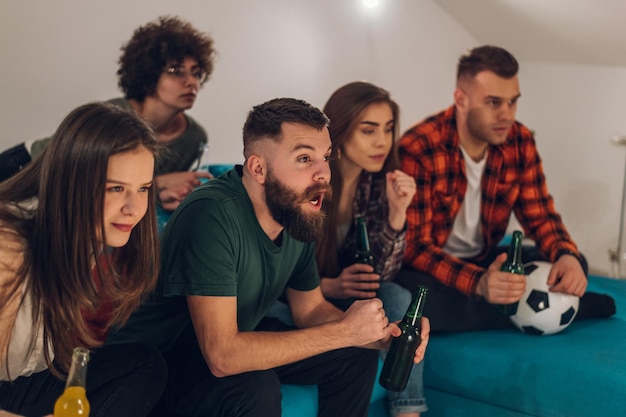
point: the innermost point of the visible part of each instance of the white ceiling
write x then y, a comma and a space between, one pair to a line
589, 32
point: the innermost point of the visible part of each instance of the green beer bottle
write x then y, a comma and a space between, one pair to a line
363, 253
513, 265
399, 360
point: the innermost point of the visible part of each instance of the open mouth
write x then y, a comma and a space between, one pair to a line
315, 195
317, 200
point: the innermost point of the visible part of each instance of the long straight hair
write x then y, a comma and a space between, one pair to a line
344, 108
63, 231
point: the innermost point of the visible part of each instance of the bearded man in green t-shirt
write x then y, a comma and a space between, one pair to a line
228, 252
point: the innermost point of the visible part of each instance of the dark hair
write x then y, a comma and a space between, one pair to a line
54, 206
487, 58
265, 120
156, 45
344, 109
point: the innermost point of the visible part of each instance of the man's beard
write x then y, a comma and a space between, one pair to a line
284, 205
475, 127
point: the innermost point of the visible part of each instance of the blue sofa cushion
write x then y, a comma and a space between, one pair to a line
578, 372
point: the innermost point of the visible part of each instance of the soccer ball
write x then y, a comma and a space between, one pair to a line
540, 311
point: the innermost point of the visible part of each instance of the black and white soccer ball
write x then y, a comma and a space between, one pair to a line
540, 311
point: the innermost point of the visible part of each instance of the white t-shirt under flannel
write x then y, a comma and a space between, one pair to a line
466, 238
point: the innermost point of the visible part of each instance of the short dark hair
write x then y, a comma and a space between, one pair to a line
487, 58
265, 120
156, 45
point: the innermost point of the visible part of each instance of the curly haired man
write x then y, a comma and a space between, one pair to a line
161, 70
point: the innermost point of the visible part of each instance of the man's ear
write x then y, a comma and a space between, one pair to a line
257, 166
460, 98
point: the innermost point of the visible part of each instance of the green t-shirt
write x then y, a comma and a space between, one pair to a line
213, 245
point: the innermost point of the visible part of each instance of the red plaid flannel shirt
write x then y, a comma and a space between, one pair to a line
513, 181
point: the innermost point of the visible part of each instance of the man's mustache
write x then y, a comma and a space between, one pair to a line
312, 192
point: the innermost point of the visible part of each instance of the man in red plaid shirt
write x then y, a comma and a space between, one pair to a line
474, 165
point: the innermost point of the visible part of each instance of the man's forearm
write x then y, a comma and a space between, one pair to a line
252, 351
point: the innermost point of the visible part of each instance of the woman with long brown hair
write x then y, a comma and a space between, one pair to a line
78, 251
366, 182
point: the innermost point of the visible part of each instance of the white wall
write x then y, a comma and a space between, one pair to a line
61, 54
57, 55
575, 111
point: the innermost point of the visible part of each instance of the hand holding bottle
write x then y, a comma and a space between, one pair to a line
355, 281
424, 337
404, 347
498, 287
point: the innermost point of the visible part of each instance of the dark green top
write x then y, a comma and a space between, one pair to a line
213, 245
181, 152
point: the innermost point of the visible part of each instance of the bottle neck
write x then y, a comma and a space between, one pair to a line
362, 238
515, 250
415, 311
78, 370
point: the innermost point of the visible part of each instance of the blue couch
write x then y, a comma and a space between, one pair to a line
580, 372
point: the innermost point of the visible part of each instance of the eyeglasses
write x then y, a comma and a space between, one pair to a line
182, 74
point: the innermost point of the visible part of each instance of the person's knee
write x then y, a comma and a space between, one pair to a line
145, 357
258, 393
250, 394
363, 361
145, 363
396, 300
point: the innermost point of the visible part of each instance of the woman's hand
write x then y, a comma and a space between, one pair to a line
358, 281
175, 186
400, 189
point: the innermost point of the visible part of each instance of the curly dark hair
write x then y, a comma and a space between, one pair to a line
154, 46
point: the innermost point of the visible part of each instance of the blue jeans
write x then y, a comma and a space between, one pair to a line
396, 300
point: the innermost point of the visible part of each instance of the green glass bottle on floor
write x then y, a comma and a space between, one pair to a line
363, 253
513, 265
399, 361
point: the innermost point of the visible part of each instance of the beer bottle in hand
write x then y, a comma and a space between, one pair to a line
363, 253
513, 265
399, 360
73, 402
